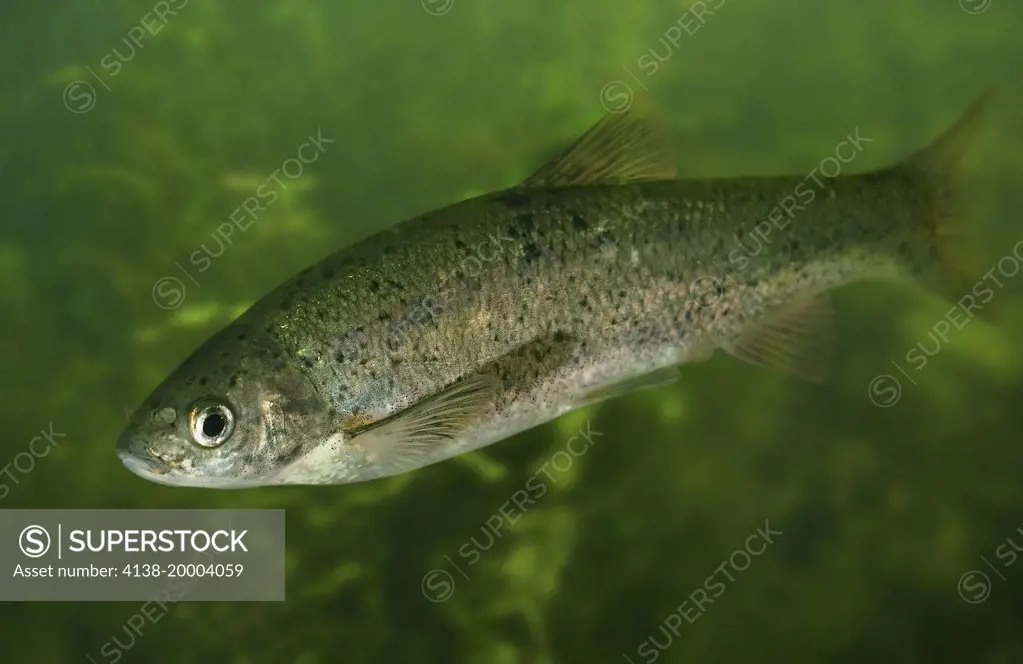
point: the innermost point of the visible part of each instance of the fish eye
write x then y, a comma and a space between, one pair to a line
212, 423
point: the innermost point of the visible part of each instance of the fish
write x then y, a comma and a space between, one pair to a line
599, 275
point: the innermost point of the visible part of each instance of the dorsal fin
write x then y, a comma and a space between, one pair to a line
945, 154
629, 146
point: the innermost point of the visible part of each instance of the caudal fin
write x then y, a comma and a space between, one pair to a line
951, 269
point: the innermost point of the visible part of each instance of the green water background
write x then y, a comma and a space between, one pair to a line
882, 509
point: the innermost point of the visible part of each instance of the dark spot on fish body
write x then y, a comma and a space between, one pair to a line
578, 222
374, 286
527, 224
515, 199
461, 246
530, 252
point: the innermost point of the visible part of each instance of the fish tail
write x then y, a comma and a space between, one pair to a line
944, 247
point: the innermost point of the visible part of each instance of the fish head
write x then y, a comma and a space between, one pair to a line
233, 415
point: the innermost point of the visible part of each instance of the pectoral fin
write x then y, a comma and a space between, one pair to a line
797, 338
402, 440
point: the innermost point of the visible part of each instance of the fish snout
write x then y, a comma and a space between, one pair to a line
134, 456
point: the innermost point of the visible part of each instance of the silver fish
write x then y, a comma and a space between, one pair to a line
598, 275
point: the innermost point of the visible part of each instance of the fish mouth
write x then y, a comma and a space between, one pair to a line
136, 459
145, 463
137, 465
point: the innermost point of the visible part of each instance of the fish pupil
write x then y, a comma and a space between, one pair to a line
214, 425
